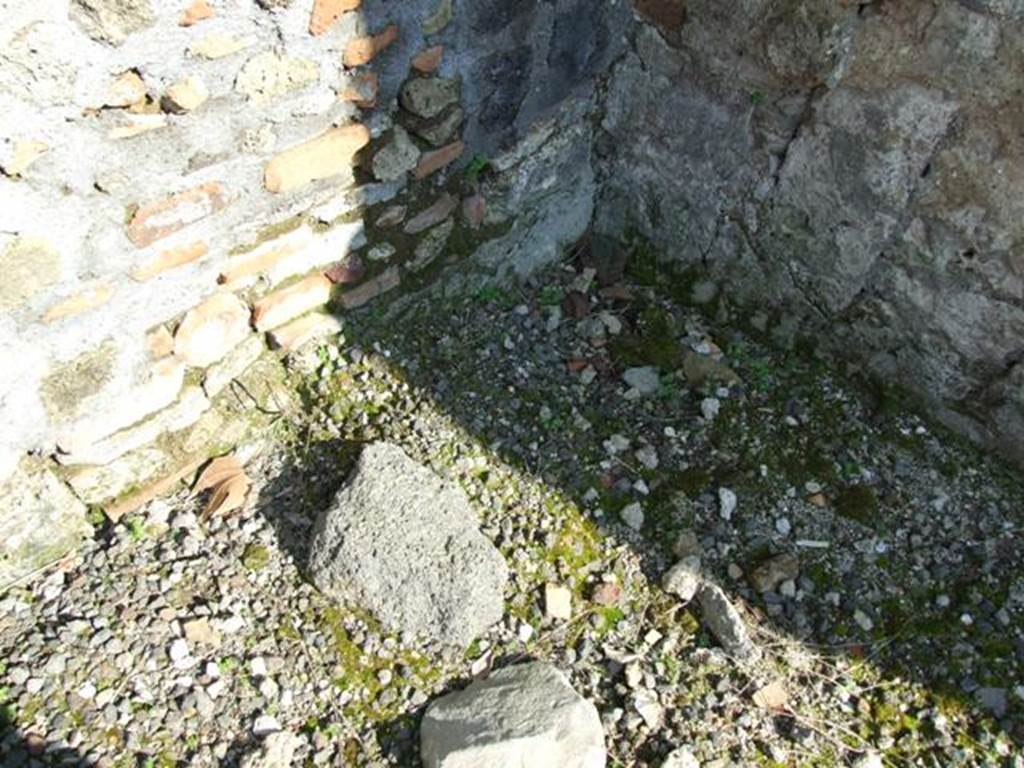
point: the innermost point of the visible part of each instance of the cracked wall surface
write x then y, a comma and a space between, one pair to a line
851, 172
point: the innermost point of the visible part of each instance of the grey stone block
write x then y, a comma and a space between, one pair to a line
527, 715
402, 543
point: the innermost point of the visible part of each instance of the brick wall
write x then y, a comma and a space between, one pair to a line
196, 187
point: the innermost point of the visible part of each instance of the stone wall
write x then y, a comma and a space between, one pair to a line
193, 188
851, 171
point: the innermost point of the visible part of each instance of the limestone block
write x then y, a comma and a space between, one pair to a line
283, 305
41, 521
326, 155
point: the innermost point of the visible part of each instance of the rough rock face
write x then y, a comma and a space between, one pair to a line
852, 170
404, 544
112, 20
41, 520
519, 716
726, 624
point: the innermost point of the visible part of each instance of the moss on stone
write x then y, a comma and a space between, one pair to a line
64, 390
255, 557
29, 264
268, 233
858, 502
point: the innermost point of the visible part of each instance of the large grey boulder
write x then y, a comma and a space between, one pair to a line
404, 544
526, 716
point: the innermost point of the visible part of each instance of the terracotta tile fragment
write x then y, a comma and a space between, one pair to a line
432, 162
429, 60
321, 157
440, 210
371, 289
327, 12
118, 509
160, 219
363, 50
281, 306
198, 11
82, 302
169, 259
299, 332
361, 89
348, 271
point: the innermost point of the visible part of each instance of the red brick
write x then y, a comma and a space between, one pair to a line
432, 162
321, 157
166, 217
327, 12
364, 49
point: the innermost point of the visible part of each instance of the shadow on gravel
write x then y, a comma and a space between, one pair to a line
445, 360
305, 486
30, 749
482, 365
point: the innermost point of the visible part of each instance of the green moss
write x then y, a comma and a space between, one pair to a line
287, 631
578, 543
644, 266
633, 350
358, 672
64, 390
269, 233
692, 481
858, 502
610, 617
255, 557
654, 343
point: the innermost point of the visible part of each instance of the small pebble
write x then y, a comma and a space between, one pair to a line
727, 502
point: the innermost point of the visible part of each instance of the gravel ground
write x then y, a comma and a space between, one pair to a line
602, 432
